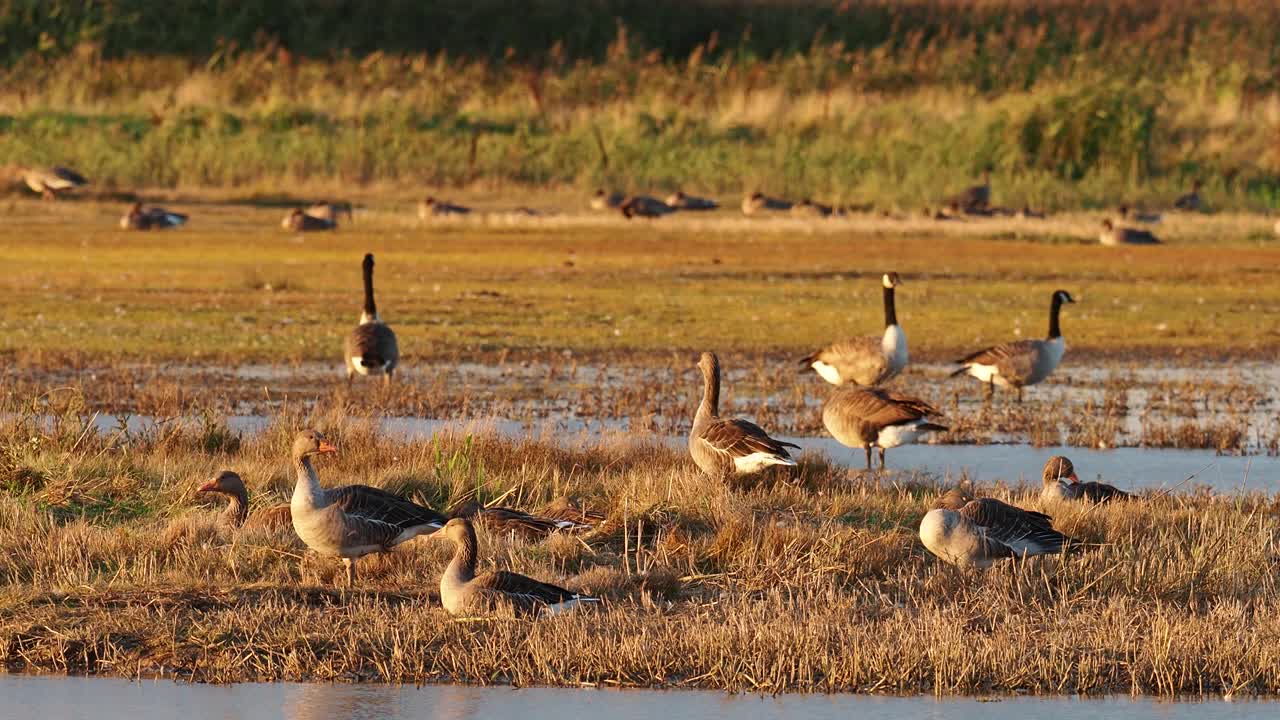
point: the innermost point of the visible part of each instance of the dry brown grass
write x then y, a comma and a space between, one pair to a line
110, 564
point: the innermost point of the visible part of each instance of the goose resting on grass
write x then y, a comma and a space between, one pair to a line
151, 219
1021, 363
725, 448
866, 360
352, 521
508, 520
433, 207
964, 531
644, 206
680, 201
237, 514
562, 508
464, 592
875, 417
602, 200
48, 182
1060, 483
299, 221
371, 348
330, 211
759, 202
1112, 235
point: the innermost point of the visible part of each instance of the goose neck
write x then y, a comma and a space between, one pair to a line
890, 309
307, 489
1055, 309
237, 508
710, 406
370, 309
462, 568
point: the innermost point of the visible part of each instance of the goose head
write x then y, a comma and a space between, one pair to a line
891, 280
226, 482
709, 364
1059, 470
953, 499
311, 442
1107, 224
678, 196
458, 530
1062, 296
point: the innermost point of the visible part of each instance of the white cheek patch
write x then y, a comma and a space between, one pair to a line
826, 372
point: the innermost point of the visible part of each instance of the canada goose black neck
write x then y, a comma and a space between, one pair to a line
370, 308
1055, 330
890, 310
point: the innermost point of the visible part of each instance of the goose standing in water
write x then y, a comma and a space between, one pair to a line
680, 201
964, 531
508, 520
48, 182
727, 448
1112, 235
352, 521
462, 591
237, 514
371, 347
875, 417
1060, 483
866, 360
299, 221
1021, 363
151, 219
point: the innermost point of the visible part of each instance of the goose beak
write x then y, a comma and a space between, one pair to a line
208, 487
328, 447
1074, 480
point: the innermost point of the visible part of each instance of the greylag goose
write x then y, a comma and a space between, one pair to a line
644, 206
354, 520
602, 200
508, 520
866, 360
151, 219
48, 182
1190, 201
1021, 363
725, 448
1136, 215
810, 209
1060, 483
299, 221
330, 211
963, 531
562, 508
237, 513
1112, 235
432, 207
758, 202
371, 348
462, 591
875, 417
680, 201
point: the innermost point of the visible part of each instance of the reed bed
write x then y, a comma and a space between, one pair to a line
812, 581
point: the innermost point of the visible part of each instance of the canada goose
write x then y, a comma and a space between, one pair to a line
602, 200
298, 221
680, 201
431, 207
976, 198
508, 520
1190, 201
371, 348
354, 520
1060, 483
810, 209
48, 182
1112, 235
875, 417
330, 211
728, 448
1023, 362
759, 202
964, 531
237, 513
644, 206
462, 591
1142, 216
866, 360
151, 219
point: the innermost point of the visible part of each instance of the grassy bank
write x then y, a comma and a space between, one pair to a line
1074, 104
108, 564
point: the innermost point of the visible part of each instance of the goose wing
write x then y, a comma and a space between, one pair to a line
1019, 529
63, 177
523, 592
860, 360
564, 510
378, 505
1012, 359
375, 343
739, 438
879, 408
510, 520
1101, 492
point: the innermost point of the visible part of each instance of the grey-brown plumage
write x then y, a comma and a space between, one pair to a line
866, 360
299, 221
1023, 362
724, 448
810, 209
1059, 482
48, 182
1115, 235
602, 200
975, 199
758, 202
681, 201
512, 521
464, 592
151, 218
876, 417
330, 211
962, 530
1138, 215
1190, 201
644, 206
562, 508
237, 515
432, 207
351, 521
371, 348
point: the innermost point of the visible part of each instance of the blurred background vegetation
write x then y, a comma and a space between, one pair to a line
1079, 103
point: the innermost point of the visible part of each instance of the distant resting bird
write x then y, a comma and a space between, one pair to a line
602, 200
432, 207
50, 181
299, 221
680, 201
1059, 482
644, 206
809, 208
1112, 235
726, 448
964, 531
151, 219
509, 520
330, 211
977, 198
1190, 201
758, 202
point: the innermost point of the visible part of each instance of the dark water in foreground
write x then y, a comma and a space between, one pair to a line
31, 698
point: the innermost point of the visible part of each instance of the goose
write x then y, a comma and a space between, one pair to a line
507, 520
602, 200
875, 417
1060, 483
866, 360
1112, 235
151, 219
562, 508
330, 211
1142, 216
1020, 363
810, 209
977, 197
1190, 201
462, 591
725, 448
964, 531
644, 206
680, 201
353, 520
48, 182
1026, 213
371, 347
299, 221
431, 207
759, 202
237, 514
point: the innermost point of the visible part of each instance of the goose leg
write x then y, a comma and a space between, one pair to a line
1019, 394
386, 378
869, 466
881, 459
351, 571
991, 390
